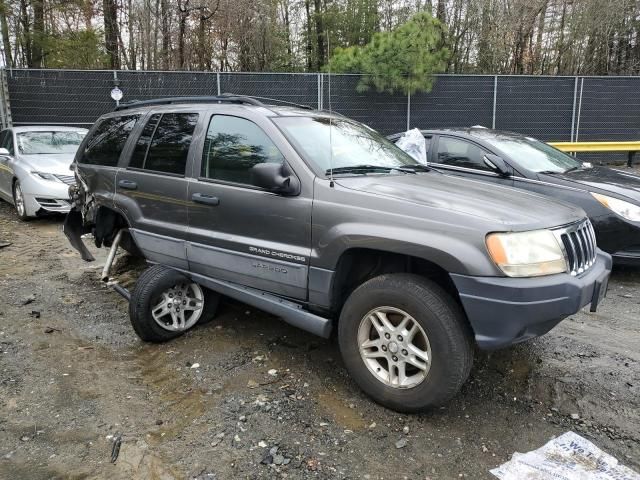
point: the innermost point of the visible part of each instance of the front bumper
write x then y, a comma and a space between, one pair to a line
503, 311
43, 196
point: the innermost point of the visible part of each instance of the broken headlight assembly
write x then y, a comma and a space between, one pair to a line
624, 209
45, 176
527, 254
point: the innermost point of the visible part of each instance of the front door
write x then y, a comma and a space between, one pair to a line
463, 158
6, 165
152, 189
240, 232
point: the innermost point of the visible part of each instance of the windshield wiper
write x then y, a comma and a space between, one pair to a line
418, 167
550, 172
572, 169
359, 169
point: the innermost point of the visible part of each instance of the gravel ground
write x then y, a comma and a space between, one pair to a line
248, 396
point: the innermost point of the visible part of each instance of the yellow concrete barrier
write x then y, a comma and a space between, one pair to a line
630, 147
597, 146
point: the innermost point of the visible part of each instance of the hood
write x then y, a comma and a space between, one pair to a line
602, 180
512, 208
58, 164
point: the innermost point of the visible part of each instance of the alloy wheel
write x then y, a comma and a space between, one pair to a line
179, 307
394, 347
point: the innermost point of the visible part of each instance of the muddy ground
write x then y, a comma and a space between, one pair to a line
75, 381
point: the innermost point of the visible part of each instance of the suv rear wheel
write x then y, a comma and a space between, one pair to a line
405, 342
165, 304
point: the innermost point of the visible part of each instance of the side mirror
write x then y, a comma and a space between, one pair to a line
497, 164
275, 177
4, 152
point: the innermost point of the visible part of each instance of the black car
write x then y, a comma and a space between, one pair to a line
610, 197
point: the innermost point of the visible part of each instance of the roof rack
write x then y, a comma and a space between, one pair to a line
223, 98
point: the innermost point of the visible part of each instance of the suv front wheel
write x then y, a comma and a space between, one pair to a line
405, 341
165, 304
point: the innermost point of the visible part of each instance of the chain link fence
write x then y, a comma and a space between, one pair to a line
548, 108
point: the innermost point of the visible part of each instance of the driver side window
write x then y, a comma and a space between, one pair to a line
460, 153
233, 146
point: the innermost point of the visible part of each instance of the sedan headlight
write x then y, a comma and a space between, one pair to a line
527, 254
622, 208
45, 176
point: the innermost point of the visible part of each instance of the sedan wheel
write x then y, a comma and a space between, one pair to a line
18, 201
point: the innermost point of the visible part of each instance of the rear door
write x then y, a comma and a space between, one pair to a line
463, 158
99, 154
240, 232
152, 188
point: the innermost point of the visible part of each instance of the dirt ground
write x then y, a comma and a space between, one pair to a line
248, 396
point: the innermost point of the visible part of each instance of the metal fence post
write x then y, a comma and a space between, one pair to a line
319, 91
579, 109
5, 108
573, 114
495, 101
218, 82
408, 109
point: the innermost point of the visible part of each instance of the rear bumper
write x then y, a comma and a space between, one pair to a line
503, 311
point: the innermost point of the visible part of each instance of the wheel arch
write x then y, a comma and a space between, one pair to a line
357, 265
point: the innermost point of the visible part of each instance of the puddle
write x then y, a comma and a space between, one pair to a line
348, 418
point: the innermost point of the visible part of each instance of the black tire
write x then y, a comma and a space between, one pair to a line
150, 285
22, 216
442, 320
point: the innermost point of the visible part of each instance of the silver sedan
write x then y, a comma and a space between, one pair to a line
34, 168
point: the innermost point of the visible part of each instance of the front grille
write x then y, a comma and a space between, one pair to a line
68, 179
579, 243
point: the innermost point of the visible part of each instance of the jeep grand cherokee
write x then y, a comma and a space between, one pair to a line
320, 220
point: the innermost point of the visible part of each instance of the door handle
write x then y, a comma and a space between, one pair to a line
128, 184
205, 199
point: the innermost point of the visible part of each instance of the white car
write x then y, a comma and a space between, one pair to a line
34, 168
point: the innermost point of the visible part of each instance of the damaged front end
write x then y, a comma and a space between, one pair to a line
81, 218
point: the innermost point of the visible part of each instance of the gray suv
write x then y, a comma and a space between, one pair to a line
321, 221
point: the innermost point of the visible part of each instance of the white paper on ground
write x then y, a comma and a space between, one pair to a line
568, 457
413, 142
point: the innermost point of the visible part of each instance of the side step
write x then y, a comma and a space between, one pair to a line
292, 313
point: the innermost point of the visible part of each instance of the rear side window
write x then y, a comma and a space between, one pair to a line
107, 140
233, 146
164, 143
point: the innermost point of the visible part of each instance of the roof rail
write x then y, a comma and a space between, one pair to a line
224, 98
284, 102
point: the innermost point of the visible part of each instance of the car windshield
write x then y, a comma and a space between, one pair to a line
49, 142
343, 145
532, 154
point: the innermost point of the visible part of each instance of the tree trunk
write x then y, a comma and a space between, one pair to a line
6, 43
132, 38
38, 34
111, 32
182, 30
320, 52
309, 35
166, 34
26, 31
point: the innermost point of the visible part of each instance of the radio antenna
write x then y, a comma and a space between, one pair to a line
331, 184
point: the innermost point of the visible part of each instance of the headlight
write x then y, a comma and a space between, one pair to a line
45, 176
527, 254
622, 208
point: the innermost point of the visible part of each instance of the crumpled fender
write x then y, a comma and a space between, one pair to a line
74, 228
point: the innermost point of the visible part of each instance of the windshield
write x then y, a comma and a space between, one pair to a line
532, 154
53, 142
352, 144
